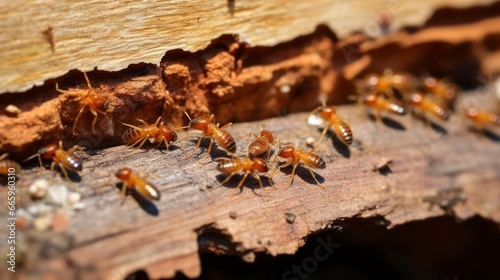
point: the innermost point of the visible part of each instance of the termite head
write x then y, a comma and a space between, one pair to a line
327, 112
267, 134
48, 152
199, 124
287, 152
446, 90
165, 132
381, 83
123, 173
370, 99
260, 164
101, 104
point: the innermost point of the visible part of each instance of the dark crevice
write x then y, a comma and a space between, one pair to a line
214, 240
259, 56
437, 248
456, 16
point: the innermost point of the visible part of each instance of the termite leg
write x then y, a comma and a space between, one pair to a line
281, 166
240, 184
143, 141
74, 149
40, 161
77, 118
227, 125
52, 168
293, 175
256, 177
63, 169
124, 192
94, 121
223, 182
209, 147
314, 176
323, 133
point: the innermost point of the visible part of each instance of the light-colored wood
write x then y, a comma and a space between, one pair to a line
111, 35
431, 175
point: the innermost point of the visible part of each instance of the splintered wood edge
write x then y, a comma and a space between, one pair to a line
46, 39
431, 175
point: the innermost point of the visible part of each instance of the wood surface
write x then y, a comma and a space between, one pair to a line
433, 174
46, 39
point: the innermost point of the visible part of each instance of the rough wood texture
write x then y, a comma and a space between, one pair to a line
46, 39
257, 81
431, 175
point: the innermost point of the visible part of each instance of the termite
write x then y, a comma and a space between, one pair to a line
212, 130
246, 165
137, 183
299, 157
6, 164
422, 103
380, 103
157, 132
64, 159
262, 144
482, 118
95, 103
384, 84
341, 128
446, 92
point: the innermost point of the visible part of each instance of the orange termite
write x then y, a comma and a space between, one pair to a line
341, 128
64, 159
90, 99
420, 102
299, 157
447, 92
157, 132
7, 164
481, 118
212, 130
384, 84
380, 103
137, 183
246, 165
262, 144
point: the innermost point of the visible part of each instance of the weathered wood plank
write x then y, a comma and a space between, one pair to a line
432, 175
46, 39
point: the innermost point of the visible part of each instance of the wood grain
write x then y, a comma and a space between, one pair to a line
46, 39
432, 174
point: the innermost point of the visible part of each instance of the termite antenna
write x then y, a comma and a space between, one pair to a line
187, 115
31, 157
322, 99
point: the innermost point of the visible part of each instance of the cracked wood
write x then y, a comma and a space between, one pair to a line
431, 175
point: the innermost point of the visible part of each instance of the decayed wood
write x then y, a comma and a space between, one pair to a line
256, 80
432, 174
45, 39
